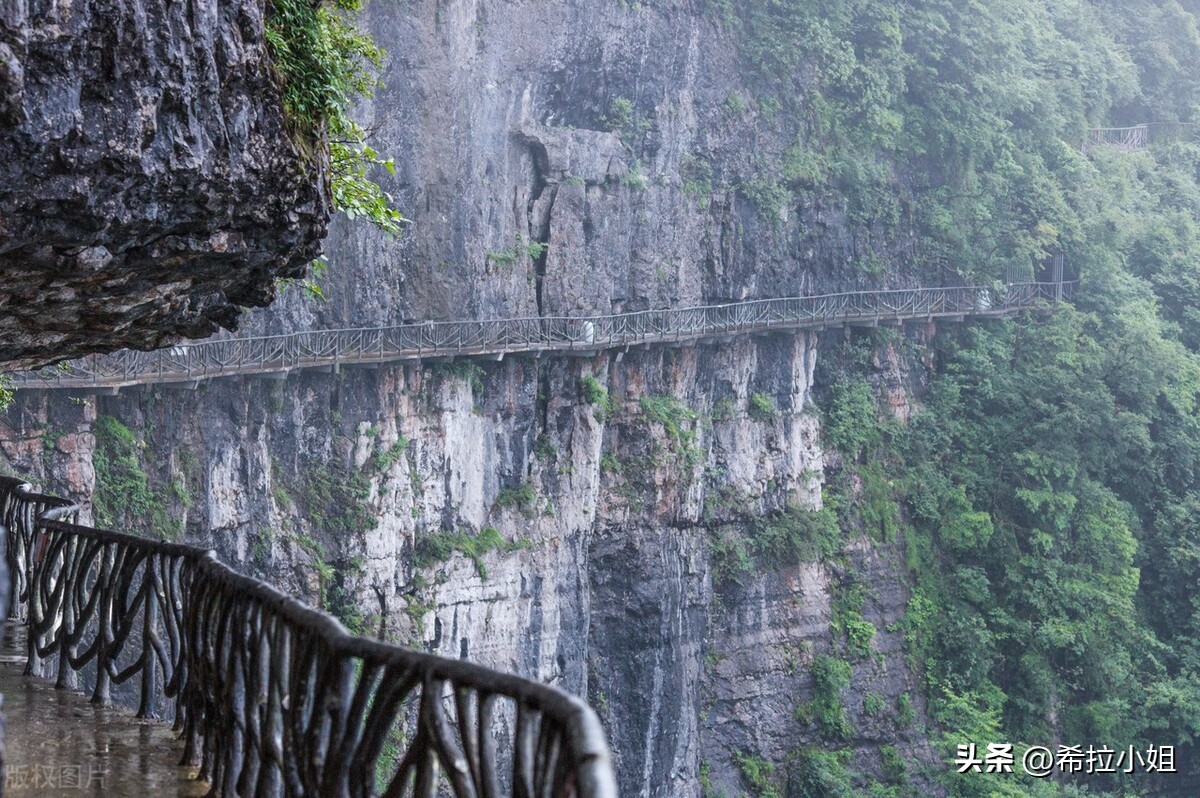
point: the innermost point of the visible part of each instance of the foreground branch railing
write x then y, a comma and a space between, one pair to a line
323, 348
272, 697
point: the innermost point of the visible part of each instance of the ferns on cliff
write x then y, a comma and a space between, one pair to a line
327, 63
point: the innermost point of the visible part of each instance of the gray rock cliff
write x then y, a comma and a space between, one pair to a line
149, 186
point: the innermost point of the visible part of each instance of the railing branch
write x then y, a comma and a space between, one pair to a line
271, 696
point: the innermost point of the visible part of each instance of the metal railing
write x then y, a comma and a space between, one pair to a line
332, 348
272, 697
1138, 137
1122, 139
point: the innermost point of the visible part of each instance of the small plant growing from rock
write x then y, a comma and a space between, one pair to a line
762, 407
595, 394
522, 498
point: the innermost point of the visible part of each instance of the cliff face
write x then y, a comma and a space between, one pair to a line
567, 157
603, 579
148, 184
622, 136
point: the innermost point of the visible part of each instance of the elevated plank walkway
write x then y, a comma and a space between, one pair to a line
1136, 138
278, 355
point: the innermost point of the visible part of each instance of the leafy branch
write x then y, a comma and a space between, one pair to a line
328, 63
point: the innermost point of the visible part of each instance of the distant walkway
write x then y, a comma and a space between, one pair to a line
1122, 139
277, 355
60, 745
1135, 138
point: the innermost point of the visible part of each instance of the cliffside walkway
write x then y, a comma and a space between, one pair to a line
271, 697
277, 355
1135, 138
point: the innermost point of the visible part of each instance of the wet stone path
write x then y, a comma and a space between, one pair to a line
59, 744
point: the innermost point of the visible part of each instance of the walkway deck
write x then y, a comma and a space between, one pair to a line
60, 745
278, 355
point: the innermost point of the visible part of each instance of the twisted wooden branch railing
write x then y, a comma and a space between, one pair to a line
331, 348
272, 697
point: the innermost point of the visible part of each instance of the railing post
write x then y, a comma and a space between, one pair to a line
148, 705
101, 693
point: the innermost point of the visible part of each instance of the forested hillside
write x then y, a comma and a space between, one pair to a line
1046, 490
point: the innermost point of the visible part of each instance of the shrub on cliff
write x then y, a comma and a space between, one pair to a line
327, 62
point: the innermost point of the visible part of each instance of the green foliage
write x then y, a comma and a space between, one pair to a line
762, 408
438, 547
544, 449
520, 248
326, 63
325, 571
873, 704
851, 422
624, 119
707, 790
848, 620
593, 392
355, 193
386, 458
827, 709
677, 421
596, 395
759, 774
341, 602
770, 196
779, 540
334, 580
124, 499
635, 178
335, 504
1049, 481
817, 773
895, 767
416, 608
523, 498
6, 392
465, 371
697, 174
729, 557
796, 535
877, 507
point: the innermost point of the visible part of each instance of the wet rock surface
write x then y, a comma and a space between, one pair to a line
60, 744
